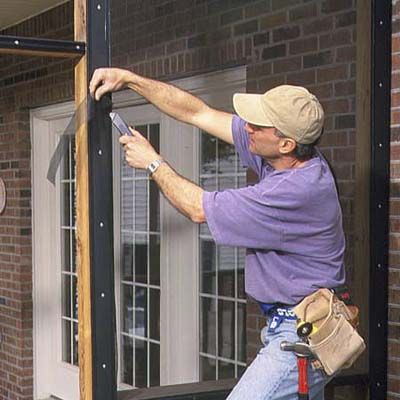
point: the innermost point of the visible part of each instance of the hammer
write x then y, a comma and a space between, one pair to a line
303, 353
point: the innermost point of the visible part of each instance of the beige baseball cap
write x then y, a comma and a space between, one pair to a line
293, 110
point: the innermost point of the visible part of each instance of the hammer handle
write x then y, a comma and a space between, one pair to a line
302, 365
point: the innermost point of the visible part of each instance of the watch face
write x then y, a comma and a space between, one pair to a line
2, 196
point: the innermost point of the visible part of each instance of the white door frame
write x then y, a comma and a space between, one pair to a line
46, 293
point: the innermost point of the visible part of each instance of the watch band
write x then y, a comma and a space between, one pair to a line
153, 166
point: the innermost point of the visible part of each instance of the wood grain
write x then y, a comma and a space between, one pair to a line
82, 214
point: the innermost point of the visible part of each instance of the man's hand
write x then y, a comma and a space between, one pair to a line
139, 153
108, 80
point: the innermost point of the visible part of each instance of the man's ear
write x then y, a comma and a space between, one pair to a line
287, 145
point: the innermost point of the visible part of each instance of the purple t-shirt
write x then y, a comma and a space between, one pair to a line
290, 222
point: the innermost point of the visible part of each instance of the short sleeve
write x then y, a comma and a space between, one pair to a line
241, 141
241, 217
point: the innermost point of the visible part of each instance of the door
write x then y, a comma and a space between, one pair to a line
55, 277
175, 324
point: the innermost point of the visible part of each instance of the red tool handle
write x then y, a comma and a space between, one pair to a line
302, 364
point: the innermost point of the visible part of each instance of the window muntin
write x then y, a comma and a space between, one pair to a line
222, 297
140, 272
69, 277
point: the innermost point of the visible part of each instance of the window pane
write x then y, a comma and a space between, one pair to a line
73, 164
204, 230
226, 271
66, 340
154, 364
240, 273
141, 258
127, 360
241, 332
155, 136
226, 158
127, 309
66, 295
66, 249
143, 130
241, 370
74, 297
208, 266
65, 204
208, 154
73, 252
73, 212
208, 184
66, 159
154, 260
208, 326
154, 314
226, 370
141, 205
127, 257
226, 182
226, 329
208, 369
75, 348
140, 363
127, 199
140, 311
154, 204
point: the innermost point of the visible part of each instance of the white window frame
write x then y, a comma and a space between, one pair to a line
179, 331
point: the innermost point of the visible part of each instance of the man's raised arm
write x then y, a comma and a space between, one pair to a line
167, 98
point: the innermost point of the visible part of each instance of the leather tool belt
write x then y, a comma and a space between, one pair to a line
332, 336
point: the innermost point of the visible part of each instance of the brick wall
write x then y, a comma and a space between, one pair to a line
282, 41
309, 43
24, 83
394, 242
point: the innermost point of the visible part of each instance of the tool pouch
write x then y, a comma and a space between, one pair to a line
334, 339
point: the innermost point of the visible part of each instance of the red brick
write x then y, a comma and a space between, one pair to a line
346, 54
335, 38
271, 21
327, 74
303, 12
395, 99
345, 88
302, 78
395, 44
287, 65
305, 45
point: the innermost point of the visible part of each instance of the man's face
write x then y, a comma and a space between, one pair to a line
263, 141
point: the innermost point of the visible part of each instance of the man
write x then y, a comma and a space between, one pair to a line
290, 221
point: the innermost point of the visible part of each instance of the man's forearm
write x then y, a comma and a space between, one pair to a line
169, 99
183, 194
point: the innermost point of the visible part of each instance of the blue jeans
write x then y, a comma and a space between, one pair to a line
273, 374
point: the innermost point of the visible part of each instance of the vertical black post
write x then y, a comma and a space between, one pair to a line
380, 178
101, 210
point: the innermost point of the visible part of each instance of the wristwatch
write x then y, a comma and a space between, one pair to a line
153, 166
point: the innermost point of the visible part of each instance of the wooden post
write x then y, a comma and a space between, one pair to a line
82, 212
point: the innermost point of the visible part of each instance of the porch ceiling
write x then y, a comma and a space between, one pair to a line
14, 11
